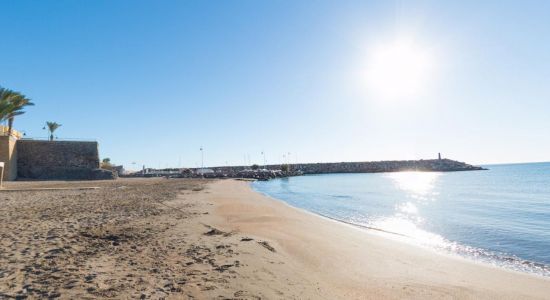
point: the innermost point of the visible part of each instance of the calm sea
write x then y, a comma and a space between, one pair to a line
500, 216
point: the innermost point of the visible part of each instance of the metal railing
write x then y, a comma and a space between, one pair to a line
41, 138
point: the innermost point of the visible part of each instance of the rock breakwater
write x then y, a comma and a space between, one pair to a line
433, 165
426, 165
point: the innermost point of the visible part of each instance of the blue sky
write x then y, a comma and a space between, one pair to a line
153, 81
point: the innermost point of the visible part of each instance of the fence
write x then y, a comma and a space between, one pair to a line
41, 138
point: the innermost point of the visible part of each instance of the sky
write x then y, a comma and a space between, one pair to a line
301, 81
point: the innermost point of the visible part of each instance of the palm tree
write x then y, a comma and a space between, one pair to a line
5, 102
18, 103
12, 104
52, 127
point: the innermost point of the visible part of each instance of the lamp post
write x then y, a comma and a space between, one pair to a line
202, 162
289, 161
44, 128
202, 158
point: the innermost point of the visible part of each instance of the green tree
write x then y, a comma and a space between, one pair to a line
12, 104
106, 163
5, 96
4, 106
255, 167
18, 103
285, 168
52, 127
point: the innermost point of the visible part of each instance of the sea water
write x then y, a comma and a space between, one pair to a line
500, 216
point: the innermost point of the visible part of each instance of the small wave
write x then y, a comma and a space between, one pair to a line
341, 196
404, 220
504, 260
438, 243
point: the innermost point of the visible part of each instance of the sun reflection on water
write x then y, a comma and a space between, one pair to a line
408, 228
407, 208
419, 183
407, 219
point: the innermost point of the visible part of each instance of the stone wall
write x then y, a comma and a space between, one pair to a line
67, 160
8, 155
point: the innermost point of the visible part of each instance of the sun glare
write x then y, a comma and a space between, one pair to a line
401, 69
416, 183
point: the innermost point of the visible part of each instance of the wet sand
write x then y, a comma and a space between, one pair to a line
193, 239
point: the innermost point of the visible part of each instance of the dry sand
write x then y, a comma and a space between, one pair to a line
192, 239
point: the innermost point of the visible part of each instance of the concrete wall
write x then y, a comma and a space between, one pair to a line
8, 155
59, 160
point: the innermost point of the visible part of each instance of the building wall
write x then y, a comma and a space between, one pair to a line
8, 155
59, 160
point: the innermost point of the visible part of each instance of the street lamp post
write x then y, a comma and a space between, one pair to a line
289, 161
44, 128
202, 158
202, 162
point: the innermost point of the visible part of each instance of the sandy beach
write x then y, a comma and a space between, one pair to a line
197, 239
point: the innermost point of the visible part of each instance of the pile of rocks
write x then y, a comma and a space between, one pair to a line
275, 171
436, 165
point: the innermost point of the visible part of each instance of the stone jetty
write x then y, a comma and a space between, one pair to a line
278, 170
430, 165
425, 165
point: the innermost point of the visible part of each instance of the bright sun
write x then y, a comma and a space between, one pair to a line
399, 70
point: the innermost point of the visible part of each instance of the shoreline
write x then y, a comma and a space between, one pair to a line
363, 257
210, 239
401, 238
